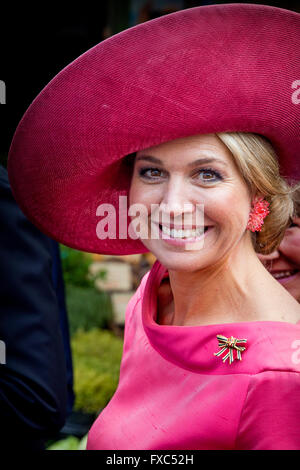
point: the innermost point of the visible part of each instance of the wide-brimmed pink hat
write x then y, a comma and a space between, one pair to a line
216, 68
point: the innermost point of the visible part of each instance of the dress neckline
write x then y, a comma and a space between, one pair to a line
193, 346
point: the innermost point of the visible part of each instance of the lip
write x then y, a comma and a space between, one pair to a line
179, 227
287, 279
182, 242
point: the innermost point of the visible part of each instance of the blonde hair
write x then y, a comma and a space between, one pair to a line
257, 162
296, 197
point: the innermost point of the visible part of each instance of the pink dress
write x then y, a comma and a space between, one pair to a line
175, 393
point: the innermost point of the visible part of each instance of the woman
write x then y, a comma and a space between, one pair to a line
284, 263
172, 113
216, 268
206, 292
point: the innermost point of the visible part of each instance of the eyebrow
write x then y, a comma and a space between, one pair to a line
199, 161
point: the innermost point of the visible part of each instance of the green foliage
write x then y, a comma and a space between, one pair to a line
87, 308
69, 443
96, 352
75, 266
96, 359
83, 442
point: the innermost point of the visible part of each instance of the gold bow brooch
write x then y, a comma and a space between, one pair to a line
230, 344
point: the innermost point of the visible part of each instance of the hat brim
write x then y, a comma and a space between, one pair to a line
208, 69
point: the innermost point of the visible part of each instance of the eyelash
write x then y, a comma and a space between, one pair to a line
142, 173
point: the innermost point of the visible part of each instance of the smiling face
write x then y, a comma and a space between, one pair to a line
178, 177
284, 263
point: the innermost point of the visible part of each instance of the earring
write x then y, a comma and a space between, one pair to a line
257, 214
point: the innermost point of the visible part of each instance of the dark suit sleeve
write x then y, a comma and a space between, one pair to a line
33, 384
59, 286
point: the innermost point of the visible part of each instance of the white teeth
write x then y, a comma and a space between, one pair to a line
182, 233
283, 274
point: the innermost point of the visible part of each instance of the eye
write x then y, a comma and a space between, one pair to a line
209, 175
153, 173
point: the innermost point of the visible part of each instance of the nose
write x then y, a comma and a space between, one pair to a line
176, 201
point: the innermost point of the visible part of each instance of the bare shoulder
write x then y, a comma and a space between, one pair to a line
284, 307
293, 315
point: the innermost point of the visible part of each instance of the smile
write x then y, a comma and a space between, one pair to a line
183, 234
180, 238
284, 274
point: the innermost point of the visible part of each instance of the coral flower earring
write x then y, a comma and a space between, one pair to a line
257, 215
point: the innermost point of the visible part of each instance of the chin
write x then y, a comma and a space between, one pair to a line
179, 258
184, 262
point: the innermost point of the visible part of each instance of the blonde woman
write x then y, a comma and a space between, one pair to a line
192, 121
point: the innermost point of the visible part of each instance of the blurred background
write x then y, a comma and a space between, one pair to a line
37, 41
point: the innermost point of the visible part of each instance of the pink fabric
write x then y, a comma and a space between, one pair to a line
173, 393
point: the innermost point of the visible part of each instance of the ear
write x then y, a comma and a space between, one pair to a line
257, 197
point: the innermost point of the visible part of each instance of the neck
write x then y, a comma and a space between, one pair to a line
228, 292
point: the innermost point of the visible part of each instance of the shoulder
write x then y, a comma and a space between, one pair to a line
270, 414
273, 346
272, 383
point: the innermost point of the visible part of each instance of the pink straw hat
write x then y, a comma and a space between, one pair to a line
216, 68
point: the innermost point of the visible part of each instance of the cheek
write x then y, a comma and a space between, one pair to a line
290, 245
141, 195
136, 194
228, 210
294, 289
133, 194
